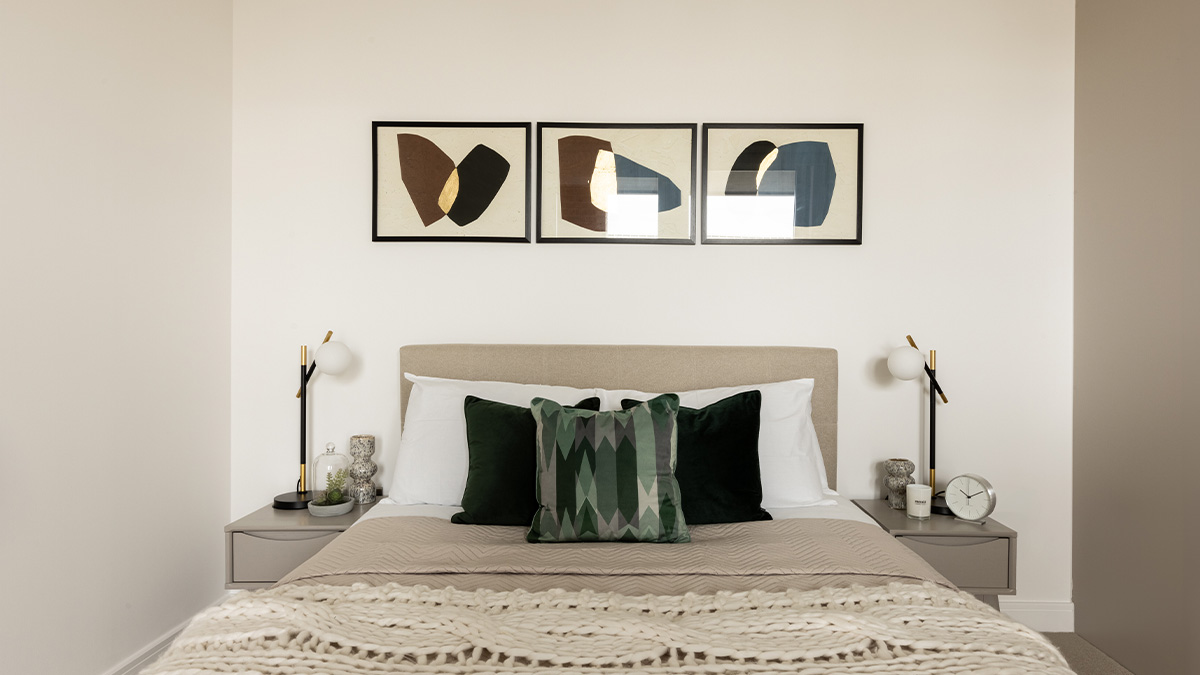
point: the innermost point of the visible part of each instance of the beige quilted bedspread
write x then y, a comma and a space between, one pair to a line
768, 555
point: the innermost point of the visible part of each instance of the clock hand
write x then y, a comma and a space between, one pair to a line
965, 494
975, 495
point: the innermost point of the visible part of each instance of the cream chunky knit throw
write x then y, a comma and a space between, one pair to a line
895, 628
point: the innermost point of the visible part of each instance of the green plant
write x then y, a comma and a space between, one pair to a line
335, 489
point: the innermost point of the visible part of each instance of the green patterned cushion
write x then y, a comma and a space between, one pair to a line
607, 476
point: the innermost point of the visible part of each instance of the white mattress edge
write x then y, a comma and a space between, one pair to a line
835, 506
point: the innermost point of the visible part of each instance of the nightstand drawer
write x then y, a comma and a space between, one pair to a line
268, 556
976, 564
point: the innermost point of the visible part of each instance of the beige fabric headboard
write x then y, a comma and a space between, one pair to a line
646, 368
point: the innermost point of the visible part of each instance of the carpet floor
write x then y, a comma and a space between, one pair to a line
1084, 658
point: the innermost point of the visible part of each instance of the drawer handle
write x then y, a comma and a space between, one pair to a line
953, 541
288, 536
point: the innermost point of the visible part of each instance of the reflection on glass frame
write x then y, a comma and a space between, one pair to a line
451, 181
782, 184
616, 183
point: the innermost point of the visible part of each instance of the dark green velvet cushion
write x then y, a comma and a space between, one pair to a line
717, 466
607, 476
501, 442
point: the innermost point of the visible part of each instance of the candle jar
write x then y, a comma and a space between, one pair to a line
919, 498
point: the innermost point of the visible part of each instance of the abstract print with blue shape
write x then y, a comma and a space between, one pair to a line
803, 170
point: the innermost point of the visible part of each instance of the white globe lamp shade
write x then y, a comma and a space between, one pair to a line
905, 363
333, 358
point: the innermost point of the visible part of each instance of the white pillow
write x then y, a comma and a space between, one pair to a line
789, 456
431, 463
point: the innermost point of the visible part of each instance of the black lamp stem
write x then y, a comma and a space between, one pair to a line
937, 504
303, 486
300, 498
932, 433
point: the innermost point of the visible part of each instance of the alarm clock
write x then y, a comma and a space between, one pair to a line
970, 497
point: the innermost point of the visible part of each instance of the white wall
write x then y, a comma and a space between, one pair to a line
114, 324
967, 226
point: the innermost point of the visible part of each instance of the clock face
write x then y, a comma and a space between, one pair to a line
970, 497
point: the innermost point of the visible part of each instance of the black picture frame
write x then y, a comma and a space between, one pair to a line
451, 181
747, 157
654, 159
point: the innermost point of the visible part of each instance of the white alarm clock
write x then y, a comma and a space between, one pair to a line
970, 497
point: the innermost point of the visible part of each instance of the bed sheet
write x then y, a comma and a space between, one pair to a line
834, 506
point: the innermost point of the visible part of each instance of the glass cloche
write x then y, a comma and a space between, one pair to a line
332, 476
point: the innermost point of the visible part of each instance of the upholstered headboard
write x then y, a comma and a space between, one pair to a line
647, 368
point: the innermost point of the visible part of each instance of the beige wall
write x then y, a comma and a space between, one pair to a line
1136, 307
967, 232
114, 324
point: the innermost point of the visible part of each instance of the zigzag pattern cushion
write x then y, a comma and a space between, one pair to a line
607, 476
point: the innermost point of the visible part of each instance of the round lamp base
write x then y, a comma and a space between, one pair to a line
293, 501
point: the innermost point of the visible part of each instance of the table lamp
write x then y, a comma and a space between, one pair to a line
906, 363
332, 358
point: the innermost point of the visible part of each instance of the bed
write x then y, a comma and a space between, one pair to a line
818, 588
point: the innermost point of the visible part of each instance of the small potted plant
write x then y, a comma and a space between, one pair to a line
332, 497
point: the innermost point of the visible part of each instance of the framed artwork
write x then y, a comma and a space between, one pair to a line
451, 181
616, 183
782, 184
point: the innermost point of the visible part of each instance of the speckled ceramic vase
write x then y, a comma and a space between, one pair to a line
362, 488
897, 478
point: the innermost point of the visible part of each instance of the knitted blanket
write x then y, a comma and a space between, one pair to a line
896, 628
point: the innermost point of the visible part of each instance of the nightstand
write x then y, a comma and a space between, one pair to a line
267, 544
979, 558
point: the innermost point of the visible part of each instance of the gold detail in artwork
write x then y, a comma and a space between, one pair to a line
449, 192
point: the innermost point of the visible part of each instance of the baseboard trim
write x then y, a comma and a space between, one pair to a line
146, 655
1044, 617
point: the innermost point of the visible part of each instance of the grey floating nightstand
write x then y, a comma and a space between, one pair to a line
979, 558
264, 546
